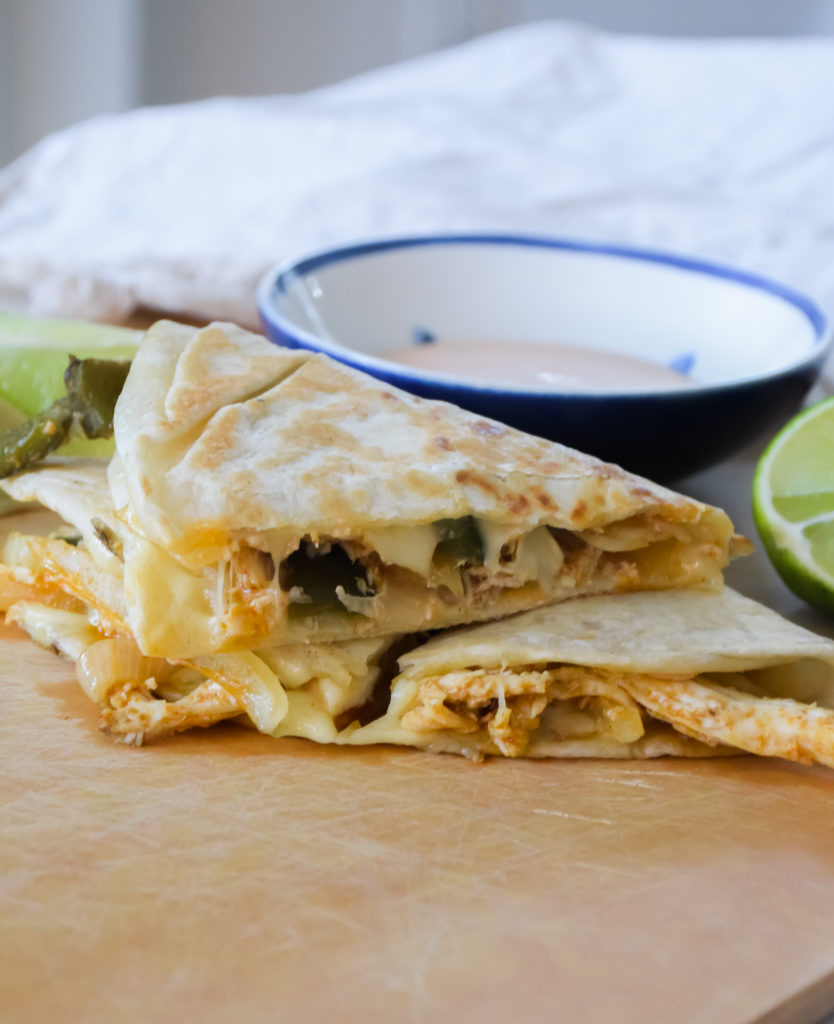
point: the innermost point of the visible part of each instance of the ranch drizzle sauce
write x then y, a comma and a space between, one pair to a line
531, 364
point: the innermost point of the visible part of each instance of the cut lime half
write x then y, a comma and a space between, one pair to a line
34, 352
793, 504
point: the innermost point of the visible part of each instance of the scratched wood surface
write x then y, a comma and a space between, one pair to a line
225, 873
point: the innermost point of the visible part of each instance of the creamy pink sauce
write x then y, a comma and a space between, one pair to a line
529, 364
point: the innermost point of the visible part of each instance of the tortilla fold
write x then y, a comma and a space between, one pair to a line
629, 675
277, 496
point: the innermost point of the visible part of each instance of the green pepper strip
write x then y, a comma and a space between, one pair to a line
33, 440
459, 542
93, 386
318, 576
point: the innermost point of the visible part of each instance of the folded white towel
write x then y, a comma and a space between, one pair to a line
723, 149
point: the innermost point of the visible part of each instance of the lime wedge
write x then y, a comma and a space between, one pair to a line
10, 416
34, 353
793, 504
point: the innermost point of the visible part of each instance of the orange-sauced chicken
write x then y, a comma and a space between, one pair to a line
135, 715
567, 700
293, 690
140, 698
711, 712
509, 704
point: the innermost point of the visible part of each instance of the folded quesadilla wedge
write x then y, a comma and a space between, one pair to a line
629, 675
271, 496
640, 675
302, 690
66, 590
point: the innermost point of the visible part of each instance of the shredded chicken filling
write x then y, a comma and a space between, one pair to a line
509, 705
281, 690
468, 565
134, 714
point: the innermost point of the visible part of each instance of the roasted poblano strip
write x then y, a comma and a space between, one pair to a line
459, 541
318, 575
33, 440
93, 385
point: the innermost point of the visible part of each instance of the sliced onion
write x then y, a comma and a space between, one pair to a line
249, 678
538, 557
366, 606
625, 724
112, 661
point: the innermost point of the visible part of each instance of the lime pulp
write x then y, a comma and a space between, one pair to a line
793, 504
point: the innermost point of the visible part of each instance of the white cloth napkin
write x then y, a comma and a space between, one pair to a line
719, 148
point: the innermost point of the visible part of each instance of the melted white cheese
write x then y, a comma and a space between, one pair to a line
170, 607
495, 536
409, 546
538, 557
306, 719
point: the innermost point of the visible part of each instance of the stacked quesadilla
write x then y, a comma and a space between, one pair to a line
631, 675
276, 530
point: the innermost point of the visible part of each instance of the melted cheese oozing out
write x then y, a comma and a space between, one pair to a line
299, 691
412, 547
341, 675
494, 536
214, 613
155, 584
305, 718
293, 691
539, 557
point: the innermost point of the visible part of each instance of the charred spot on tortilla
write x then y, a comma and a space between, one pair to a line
520, 505
467, 476
579, 512
262, 497
489, 428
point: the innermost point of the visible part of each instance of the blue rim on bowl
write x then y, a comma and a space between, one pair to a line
567, 415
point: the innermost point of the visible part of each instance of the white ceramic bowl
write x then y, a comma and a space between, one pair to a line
750, 347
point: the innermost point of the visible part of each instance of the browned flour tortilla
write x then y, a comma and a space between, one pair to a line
628, 675
266, 504
282, 497
687, 673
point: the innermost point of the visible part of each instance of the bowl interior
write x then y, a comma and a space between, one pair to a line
714, 324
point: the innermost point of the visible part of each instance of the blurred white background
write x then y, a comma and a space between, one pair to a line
62, 61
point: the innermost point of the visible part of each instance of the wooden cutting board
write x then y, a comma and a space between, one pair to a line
223, 874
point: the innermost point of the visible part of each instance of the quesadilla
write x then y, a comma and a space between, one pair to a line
271, 496
268, 507
629, 675
66, 589
685, 673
